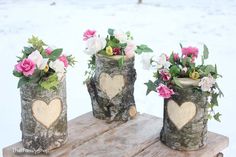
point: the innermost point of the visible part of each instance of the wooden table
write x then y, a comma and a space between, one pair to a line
91, 137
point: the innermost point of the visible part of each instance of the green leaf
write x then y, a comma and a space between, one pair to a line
28, 50
172, 60
17, 74
151, 86
50, 83
55, 54
22, 81
214, 101
121, 61
217, 116
143, 48
209, 69
111, 32
220, 92
205, 52
175, 70
176, 81
181, 46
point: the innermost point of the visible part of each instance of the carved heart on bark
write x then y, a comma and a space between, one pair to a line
47, 114
111, 85
181, 115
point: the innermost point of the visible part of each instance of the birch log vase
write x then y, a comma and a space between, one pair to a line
44, 117
185, 118
112, 88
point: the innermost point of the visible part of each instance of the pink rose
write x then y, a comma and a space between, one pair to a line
48, 50
190, 51
130, 50
88, 34
64, 60
26, 67
164, 91
167, 57
176, 56
165, 74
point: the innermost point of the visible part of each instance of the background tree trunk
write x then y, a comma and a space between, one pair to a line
109, 78
41, 134
192, 135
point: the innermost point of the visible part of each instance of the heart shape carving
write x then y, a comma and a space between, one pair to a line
111, 85
181, 115
47, 114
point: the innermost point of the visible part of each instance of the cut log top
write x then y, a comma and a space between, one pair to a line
187, 82
90, 137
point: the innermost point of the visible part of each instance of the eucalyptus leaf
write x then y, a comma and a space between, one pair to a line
205, 52
111, 32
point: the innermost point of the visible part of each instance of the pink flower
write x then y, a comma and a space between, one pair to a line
48, 50
167, 57
176, 56
88, 34
165, 74
116, 51
164, 91
130, 50
190, 51
26, 67
64, 60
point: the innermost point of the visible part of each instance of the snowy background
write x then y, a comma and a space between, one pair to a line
162, 24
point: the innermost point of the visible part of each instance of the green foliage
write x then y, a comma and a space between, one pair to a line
111, 32
151, 86
91, 68
37, 43
55, 54
205, 52
17, 74
143, 48
175, 70
71, 60
176, 81
217, 117
50, 83
121, 61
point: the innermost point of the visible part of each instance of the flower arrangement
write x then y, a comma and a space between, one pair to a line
116, 43
42, 65
170, 68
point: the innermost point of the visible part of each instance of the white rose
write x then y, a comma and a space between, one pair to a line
121, 36
58, 67
162, 62
206, 83
95, 44
38, 59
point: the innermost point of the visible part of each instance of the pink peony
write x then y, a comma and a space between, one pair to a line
190, 51
48, 50
164, 91
26, 67
88, 34
176, 56
130, 50
64, 60
165, 74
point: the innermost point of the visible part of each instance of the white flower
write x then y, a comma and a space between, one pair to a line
58, 67
94, 45
146, 61
206, 83
121, 36
38, 59
162, 62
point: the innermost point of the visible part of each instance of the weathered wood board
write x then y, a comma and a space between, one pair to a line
140, 137
215, 144
80, 130
126, 140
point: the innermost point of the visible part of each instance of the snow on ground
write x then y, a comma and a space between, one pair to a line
162, 24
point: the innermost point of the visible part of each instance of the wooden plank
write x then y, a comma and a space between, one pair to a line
215, 144
80, 130
124, 141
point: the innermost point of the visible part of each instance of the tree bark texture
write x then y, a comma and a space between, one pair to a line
43, 117
112, 88
190, 132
